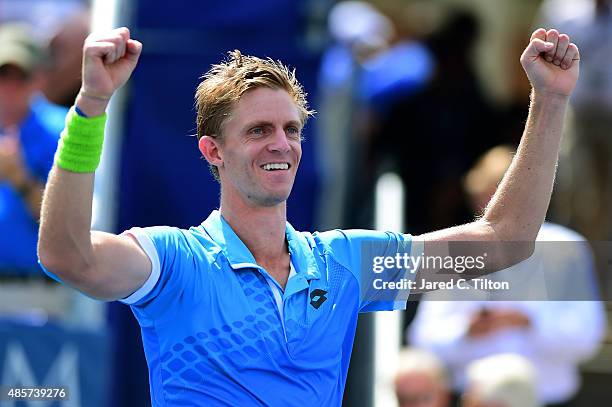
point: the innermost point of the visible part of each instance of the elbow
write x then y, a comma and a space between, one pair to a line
74, 268
524, 251
510, 226
77, 275
513, 243
62, 264
512, 230
50, 258
49, 262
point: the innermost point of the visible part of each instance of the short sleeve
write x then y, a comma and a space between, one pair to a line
356, 249
146, 243
172, 268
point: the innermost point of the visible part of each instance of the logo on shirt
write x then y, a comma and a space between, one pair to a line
317, 298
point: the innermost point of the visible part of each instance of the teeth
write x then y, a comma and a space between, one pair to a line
275, 166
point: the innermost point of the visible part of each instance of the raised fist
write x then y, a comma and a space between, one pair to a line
551, 62
108, 61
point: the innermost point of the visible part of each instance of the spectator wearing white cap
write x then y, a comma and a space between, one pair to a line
504, 380
421, 380
29, 130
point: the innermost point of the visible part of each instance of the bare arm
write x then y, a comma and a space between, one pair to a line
517, 210
31, 192
13, 170
100, 264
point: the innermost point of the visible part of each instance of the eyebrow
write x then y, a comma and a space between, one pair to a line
265, 123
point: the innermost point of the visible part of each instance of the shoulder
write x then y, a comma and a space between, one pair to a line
165, 234
173, 240
50, 116
338, 237
348, 246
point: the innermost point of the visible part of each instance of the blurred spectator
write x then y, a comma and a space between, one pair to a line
63, 25
29, 130
554, 335
44, 16
584, 194
448, 122
504, 380
421, 380
363, 72
66, 52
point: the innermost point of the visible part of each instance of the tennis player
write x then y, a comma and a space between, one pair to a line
243, 309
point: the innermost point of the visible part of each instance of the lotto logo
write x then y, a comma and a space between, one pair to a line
317, 298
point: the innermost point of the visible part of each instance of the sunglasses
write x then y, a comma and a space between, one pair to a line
13, 73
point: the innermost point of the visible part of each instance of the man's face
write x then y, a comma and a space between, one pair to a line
261, 148
420, 390
16, 89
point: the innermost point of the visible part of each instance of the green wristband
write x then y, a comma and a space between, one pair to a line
80, 146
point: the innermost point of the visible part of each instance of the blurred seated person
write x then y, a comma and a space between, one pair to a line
504, 380
421, 380
29, 130
555, 336
63, 72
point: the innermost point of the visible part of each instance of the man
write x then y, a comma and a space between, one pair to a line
244, 310
28, 139
421, 380
66, 50
504, 380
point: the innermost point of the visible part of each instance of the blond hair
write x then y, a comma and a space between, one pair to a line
416, 360
508, 379
489, 170
225, 83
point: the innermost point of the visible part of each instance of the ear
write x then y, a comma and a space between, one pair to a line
209, 147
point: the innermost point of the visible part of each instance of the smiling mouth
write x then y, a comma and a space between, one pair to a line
275, 166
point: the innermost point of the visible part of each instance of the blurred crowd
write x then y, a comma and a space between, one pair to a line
430, 90
407, 80
39, 79
438, 123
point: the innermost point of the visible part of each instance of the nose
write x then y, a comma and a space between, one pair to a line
279, 142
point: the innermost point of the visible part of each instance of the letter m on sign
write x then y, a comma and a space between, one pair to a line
63, 372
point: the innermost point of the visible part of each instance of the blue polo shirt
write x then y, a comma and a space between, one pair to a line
219, 331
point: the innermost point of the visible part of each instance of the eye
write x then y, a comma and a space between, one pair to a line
293, 131
257, 130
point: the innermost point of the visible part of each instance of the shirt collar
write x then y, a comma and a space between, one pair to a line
239, 256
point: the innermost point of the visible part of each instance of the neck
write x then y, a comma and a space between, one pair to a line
261, 229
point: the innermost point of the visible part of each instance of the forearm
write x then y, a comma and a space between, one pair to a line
65, 240
519, 206
102, 265
64, 244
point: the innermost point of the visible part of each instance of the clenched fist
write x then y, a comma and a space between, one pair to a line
551, 62
108, 61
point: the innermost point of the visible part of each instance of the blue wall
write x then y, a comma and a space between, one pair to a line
163, 179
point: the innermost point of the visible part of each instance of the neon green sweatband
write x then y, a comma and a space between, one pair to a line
80, 146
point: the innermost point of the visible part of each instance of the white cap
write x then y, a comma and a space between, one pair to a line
357, 22
506, 379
